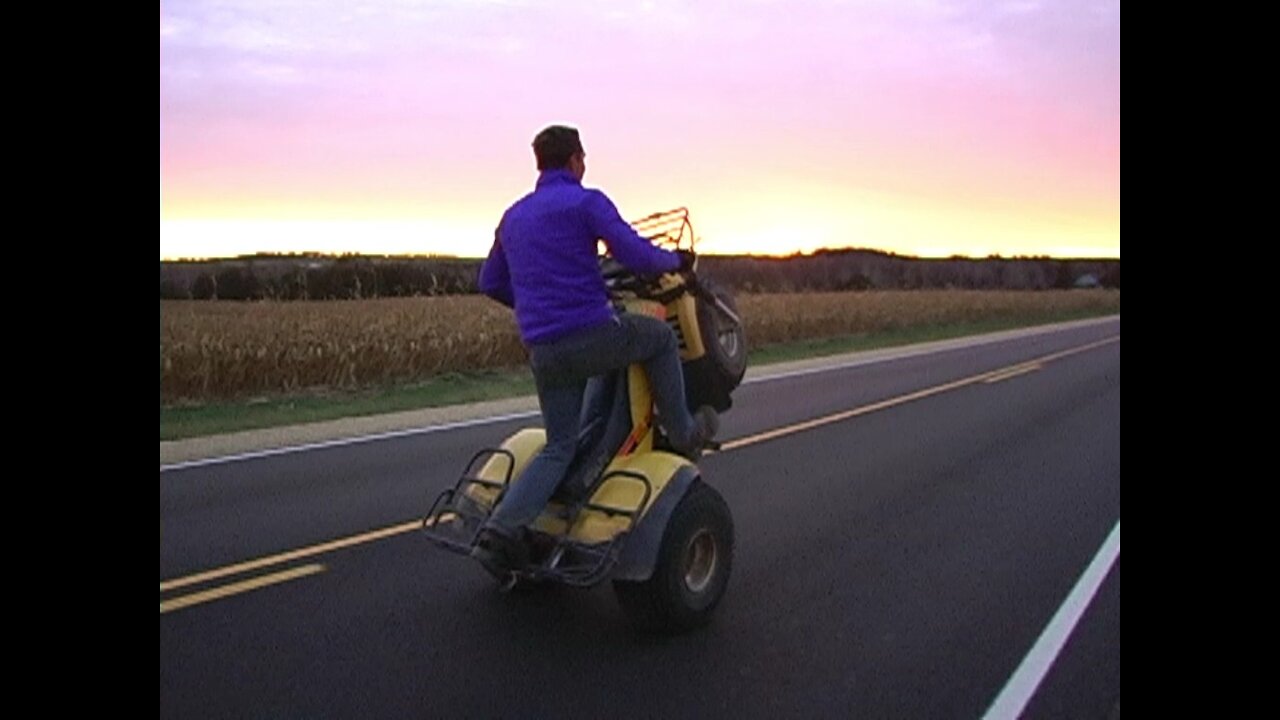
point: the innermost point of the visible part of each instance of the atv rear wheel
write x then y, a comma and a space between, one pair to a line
692, 569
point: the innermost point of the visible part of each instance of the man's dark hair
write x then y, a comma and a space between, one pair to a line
555, 145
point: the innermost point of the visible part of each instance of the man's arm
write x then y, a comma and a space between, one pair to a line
632, 250
495, 276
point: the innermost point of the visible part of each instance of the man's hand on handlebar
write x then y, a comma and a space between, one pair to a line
687, 259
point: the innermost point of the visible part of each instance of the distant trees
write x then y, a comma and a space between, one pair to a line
312, 277
1063, 277
171, 289
828, 270
238, 283
1111, 278
205, 288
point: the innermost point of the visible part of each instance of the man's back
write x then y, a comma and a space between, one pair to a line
546, 256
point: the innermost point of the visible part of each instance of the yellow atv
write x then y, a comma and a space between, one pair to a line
630, 509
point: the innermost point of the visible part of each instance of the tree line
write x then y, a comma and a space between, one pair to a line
315, 277
327, 277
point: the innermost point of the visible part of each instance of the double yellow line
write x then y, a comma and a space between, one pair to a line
268, 561
183, 601
237, 587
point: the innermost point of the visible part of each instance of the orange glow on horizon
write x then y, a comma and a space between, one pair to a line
792, 216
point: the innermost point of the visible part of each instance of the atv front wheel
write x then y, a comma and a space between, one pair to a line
692, 570
724, 338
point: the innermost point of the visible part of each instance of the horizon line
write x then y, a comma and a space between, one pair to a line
317, 254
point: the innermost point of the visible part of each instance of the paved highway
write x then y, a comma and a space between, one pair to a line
933, 535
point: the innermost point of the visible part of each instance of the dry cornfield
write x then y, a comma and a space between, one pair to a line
775, 318
225, 350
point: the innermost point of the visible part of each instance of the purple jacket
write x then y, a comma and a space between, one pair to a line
544, 264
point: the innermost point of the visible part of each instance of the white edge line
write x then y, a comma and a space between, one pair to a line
253, 455
348, 441
1017, 692
906, 354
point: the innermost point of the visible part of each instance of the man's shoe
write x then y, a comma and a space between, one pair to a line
706, 423
499, 552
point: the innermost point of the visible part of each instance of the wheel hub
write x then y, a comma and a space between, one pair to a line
700, 560
729, 341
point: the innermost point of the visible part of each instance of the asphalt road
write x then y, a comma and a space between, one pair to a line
909, 534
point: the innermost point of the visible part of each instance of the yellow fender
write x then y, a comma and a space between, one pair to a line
523, 445
626, 493
670, 476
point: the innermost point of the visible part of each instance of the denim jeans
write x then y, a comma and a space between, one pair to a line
561, 370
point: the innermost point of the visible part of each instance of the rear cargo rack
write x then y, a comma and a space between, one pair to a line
585, 564
455, 519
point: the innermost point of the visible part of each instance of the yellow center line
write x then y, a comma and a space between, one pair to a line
909, 397
291, 555
444, 519
238, 587
1014, 372
402, 528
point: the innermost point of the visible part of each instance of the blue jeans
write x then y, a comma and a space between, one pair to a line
561, 370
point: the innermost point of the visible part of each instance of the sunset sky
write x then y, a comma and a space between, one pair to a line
922, 127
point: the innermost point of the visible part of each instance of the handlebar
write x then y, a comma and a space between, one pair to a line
666, 229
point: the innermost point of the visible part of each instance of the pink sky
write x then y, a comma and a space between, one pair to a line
922, 127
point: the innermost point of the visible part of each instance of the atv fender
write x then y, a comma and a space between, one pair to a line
522, 446
639, 553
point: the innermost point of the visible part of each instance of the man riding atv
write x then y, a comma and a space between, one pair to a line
544, 265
